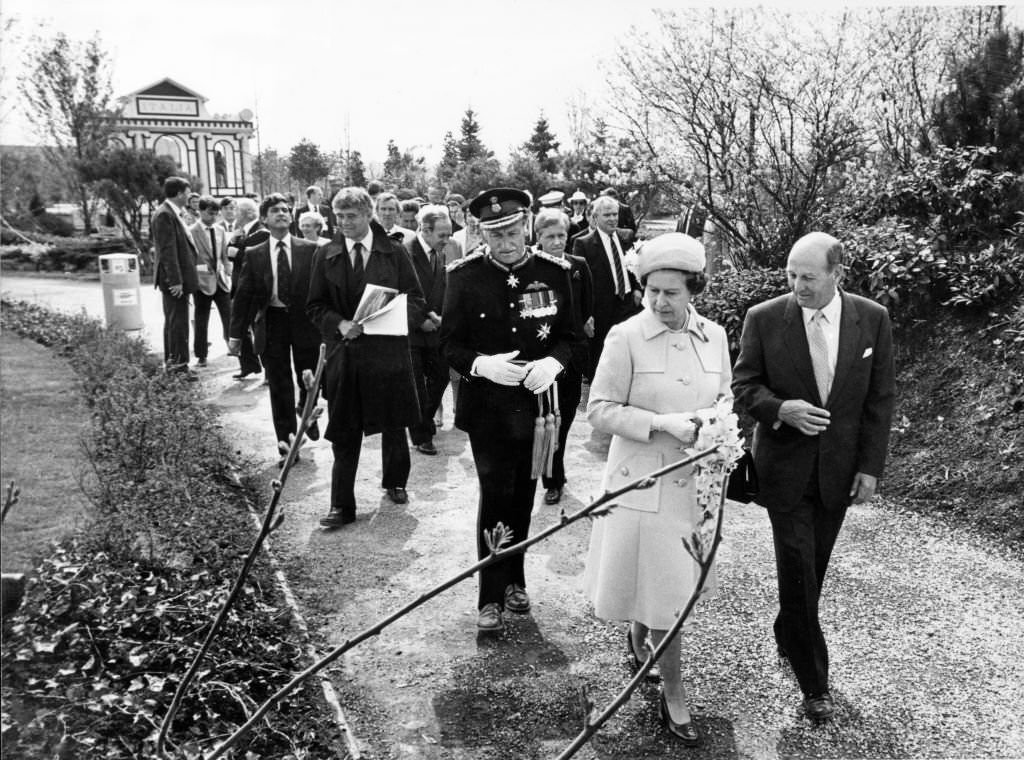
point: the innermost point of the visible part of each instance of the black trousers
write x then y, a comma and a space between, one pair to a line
803, 539
506, 495
395, 463
248, 360
570, 390
203, 305
175, 330
431, 373
280, 356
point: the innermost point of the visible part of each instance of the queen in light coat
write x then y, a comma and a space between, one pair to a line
657, 369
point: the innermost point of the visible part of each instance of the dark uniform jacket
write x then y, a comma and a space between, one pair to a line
491, 308
376, 367
175, 251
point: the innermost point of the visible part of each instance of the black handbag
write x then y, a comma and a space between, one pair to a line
742, 485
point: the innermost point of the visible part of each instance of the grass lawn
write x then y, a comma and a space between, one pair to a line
41, 423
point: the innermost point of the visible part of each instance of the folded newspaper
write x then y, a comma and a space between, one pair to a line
382, 311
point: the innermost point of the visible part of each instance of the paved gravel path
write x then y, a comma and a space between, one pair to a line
926, 626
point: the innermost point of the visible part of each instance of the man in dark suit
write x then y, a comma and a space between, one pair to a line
426, 250
271, 297
249, 231
314, 202
617, 294
368, 380
212, 270
175, 270
815, 371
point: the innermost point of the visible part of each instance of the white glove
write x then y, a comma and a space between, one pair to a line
499, 368
679, 425
541, 374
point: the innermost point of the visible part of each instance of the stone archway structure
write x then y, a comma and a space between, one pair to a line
171, 119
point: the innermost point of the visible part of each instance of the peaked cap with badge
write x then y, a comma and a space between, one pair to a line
499, 207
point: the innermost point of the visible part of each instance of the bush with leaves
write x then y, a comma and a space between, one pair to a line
113, 617
731, 292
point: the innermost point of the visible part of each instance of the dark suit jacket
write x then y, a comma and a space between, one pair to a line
774, 365
376, 367
240, 241
324, 210
432, 283
582, 283
609, 309
254, 289
175, 251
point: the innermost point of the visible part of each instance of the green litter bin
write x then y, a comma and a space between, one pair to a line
122, 301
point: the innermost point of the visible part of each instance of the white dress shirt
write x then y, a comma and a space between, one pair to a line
832, 313
613, 251
366, 242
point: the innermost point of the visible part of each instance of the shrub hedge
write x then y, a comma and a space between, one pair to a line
112, 618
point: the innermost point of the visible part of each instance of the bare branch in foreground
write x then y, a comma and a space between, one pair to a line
593, 509
270, 521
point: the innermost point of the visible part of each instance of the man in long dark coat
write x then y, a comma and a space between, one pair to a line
368, 380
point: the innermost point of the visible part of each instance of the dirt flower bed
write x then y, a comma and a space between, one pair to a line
113, 617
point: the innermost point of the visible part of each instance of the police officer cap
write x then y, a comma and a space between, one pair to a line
499, 206
673, 250
552, 198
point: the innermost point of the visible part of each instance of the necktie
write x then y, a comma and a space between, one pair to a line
213, 245
357, 260
620, 286
284, 274
819, 356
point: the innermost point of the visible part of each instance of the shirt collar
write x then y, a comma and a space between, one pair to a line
832, 310
527, 255
695, 325
426, 248
367, 242
287, 240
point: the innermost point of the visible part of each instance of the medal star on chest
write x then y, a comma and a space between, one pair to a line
544, 331
513, 281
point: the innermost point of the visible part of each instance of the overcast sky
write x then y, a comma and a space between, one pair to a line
394, 69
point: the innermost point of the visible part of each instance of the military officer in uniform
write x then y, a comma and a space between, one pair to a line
508, 330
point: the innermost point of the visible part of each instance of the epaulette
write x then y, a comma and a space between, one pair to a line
477, 254
564, 263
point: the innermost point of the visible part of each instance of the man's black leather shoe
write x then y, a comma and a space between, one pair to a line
553, 496
426, 448
313, 431
398, 495
243, 375
336, 518
819, 707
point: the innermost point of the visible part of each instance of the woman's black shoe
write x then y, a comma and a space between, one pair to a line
688, 733
635, 663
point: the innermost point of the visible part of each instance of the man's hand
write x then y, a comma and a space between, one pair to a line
863, 488
679, 425
428, 326
350, 330
541, 374
435, 317
588, 327
500, 369
176, 290
807, 418
234, 346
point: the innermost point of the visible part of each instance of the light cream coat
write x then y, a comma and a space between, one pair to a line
637, 568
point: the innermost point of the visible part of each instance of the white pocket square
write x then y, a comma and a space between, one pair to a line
867, 352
